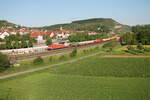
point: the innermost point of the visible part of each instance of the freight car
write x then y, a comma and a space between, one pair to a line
24, 50
57, 46
74, 44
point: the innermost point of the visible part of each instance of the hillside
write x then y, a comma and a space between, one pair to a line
96, 24
8, 25
100, 25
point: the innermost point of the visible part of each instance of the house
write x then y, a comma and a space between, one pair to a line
4, 34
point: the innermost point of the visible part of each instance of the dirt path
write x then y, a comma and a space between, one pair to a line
42, 68
124, 56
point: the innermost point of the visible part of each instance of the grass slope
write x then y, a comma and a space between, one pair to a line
89, 79
98, 66
46, 86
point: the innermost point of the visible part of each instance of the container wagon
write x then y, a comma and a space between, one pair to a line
57, 46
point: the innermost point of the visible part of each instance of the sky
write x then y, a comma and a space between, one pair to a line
48, 12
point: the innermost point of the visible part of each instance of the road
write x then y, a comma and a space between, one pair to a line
46, 67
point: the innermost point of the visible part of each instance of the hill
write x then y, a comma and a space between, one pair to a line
96, 24
100, 25
8, 25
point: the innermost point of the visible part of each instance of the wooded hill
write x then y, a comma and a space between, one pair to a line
96, 24
100, 25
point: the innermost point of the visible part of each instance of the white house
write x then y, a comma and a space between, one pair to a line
3, 35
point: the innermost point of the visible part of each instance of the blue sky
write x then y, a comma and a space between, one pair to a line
49, 12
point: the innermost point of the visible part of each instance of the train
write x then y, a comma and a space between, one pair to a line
23, 51
77, 44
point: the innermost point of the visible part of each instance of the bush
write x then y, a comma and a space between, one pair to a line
4, 62
73, 53
38, 60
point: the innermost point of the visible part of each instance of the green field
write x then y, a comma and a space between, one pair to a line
93, 78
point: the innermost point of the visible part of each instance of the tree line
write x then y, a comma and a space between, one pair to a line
79, 37
139, 34
17, 41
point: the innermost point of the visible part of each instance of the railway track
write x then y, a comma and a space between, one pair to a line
20, 58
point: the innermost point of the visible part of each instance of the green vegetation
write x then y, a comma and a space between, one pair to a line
136, 50
4, 23
38, 60
93, 78
140, 34
100, 25
8, 25
109, 46
73, 53
99, 66
17, 41
26, 65
49, 41
4, 62
79, 37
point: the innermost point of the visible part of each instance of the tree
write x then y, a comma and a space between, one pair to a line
78, 37
49, 41
4, 62
18, 41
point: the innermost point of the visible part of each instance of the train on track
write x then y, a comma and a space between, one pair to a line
53, 47
77, 44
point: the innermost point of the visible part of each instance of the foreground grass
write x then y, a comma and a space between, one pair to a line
99, 66
47, 86
93, 78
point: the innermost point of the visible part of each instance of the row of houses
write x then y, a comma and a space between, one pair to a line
38, 35
5, 33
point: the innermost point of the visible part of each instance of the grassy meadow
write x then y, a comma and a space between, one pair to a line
94, 78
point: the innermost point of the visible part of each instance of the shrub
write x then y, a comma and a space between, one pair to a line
73, 53
4, 62
38, 60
